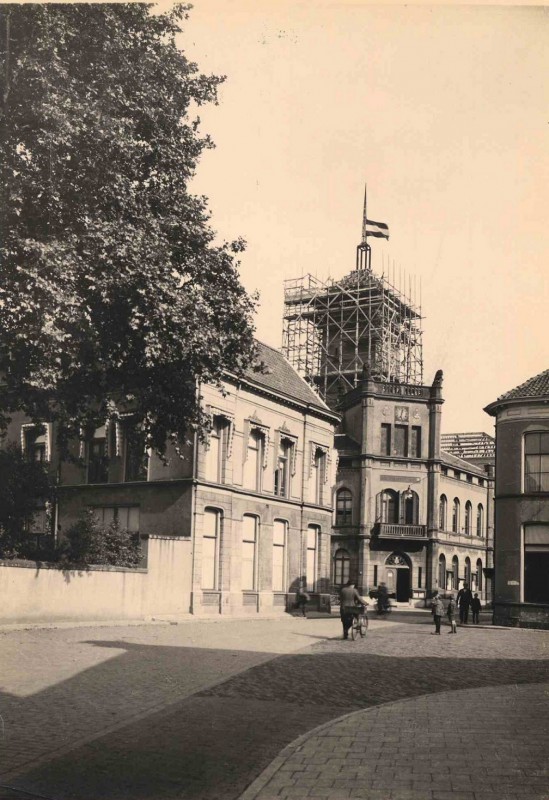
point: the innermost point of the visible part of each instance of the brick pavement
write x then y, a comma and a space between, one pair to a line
473, 744
199, 710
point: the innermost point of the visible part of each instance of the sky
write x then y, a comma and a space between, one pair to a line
443, 111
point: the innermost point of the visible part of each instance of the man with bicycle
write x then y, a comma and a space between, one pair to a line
349, 603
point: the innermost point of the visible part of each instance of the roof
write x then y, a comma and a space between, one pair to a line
538, 386
274, 372
460, 463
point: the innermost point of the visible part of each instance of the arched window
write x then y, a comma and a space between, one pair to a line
344, 507
410, 514
467, 576
468, 518
455, 573
280, 535
480, 520
211, 531
442, 512
389, 506
342, 567
479, 575
442, 571
249, 552
455, 516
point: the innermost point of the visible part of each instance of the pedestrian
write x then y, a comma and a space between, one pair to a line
382, 598
437, 607
451, 613
464, 601
475, 608
302, 599
349, 599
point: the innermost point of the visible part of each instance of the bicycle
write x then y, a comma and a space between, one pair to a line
360, 623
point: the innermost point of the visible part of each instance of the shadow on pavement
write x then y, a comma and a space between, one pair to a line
212, 744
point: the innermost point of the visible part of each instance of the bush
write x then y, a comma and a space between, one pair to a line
90, 542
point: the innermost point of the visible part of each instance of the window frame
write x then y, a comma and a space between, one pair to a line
276, 549
255, 553
541, 454
315, 530
344, 507
342, 566
218, 514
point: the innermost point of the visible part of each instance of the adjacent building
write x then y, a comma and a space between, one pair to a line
521, 596
254, 501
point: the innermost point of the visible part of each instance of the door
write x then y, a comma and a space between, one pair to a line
403, 585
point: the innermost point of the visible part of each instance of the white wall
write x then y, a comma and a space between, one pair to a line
32, 594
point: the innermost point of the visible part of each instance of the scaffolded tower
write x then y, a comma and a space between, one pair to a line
334, 330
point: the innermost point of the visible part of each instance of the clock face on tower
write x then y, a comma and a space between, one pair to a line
402, 413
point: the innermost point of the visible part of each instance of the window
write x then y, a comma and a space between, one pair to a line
467, 576
455, 573
385, 447
282, 471
415, 442
455, 516
342, 567
98, 462
279, 555
457, 474
442, 571
536, 563
134, 453
249, 552
254, 460
126, 517
444, 470
411, 508
319, 475
389, 506
210, 548
375, 574
442, 513
419, 577
215, 453
536, 462
344, 507
312, 544
469, 478
480, 520
35, 442
479, 575
400, 447
468, 518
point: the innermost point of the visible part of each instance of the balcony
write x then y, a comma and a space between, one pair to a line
387, 530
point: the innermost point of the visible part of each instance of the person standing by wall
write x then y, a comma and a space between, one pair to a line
302, 598
451, 614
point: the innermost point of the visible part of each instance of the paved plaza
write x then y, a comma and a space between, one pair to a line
265, 709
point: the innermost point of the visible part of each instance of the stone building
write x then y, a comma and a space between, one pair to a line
521, 596
253, 501
406, 512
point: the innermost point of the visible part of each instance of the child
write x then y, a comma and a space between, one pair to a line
475, 608
451, 612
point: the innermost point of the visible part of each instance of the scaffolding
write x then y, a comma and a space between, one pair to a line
470, 446
333, 331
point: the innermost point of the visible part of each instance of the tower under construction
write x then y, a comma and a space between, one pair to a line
335, 330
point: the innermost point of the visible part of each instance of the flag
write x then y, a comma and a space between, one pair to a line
378, 229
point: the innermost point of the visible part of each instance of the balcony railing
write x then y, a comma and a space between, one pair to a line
387, 530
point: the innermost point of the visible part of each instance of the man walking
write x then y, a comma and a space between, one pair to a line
349, 599
464, 599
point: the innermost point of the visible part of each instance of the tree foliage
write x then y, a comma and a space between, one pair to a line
91, 543
24, 487
113, 293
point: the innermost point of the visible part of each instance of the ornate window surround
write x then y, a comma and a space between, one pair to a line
284, 434
326, 450
46, 431
251, 424
228, 416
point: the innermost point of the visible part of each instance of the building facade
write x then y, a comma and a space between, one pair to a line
406, 512
253, 500
521, 596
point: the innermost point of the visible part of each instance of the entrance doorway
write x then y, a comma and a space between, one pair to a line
399, 576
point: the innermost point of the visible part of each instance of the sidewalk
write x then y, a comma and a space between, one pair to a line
475, 744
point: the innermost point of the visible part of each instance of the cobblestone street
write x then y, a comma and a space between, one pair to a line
213, 710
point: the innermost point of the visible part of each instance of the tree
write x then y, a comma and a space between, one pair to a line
24, 488
114, 295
